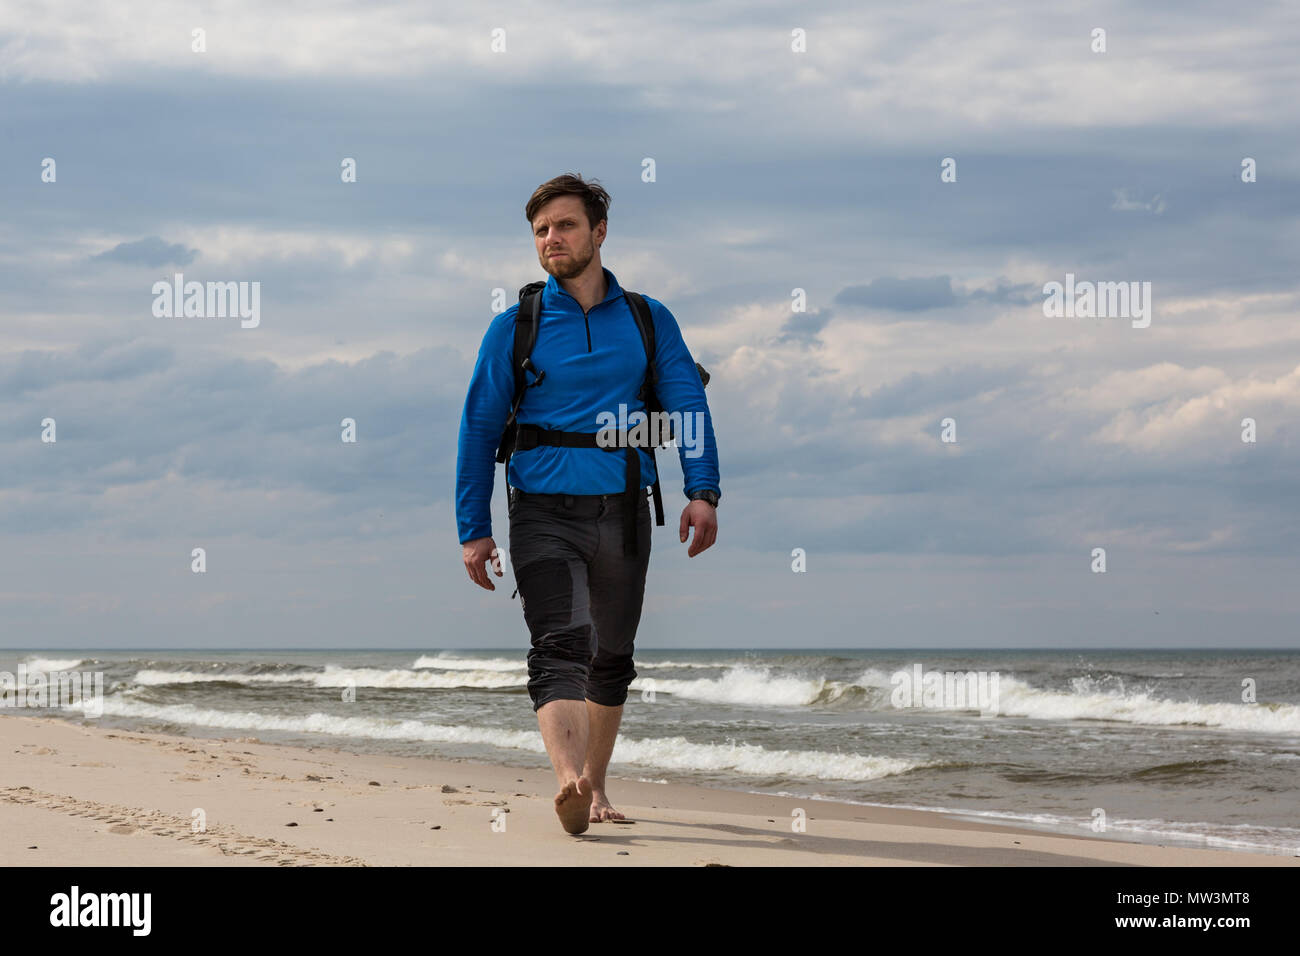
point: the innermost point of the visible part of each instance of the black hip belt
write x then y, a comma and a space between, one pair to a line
530, 436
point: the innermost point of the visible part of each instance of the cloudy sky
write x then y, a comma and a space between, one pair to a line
775, 169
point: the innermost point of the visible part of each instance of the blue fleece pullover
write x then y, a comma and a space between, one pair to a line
593, 362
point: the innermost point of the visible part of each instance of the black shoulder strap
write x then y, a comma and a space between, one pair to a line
645, 323
646, 326
526, 321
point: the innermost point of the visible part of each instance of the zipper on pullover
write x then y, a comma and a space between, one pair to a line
585, 320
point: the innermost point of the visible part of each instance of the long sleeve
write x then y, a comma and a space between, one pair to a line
680, 390
487, 405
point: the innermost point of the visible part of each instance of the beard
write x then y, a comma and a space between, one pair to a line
573, 264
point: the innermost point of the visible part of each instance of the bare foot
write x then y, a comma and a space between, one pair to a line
602, 809
572, 804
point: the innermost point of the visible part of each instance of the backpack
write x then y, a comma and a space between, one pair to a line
522, 436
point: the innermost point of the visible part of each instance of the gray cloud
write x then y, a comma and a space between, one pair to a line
1008, 293
901, 295
936, 292
151, 251
802, 327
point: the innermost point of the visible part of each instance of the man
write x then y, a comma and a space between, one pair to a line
580, 582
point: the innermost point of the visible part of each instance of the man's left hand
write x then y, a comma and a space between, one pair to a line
704, 518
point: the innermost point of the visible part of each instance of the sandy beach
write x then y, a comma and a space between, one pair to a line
73, 795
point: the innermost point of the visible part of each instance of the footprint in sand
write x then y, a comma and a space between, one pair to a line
224, 838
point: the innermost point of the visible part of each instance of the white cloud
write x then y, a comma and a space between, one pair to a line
1195, 409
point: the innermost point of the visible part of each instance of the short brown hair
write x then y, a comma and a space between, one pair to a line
594, 198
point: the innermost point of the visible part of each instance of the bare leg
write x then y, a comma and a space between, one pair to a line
563, 724
603, 722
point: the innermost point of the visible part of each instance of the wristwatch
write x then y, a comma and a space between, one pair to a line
705, 494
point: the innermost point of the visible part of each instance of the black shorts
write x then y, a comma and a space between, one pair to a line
580, 593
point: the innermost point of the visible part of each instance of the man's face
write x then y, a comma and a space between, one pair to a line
565, 242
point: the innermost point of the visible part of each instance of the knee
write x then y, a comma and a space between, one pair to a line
559, 665
541, 696
563, 649
609, 680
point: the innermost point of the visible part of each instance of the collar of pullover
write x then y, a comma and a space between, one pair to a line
612, 290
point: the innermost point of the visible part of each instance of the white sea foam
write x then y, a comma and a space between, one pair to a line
1087, 701
49, 664
334, 676
1091, 698
740, 685
317, 723
669, 753
450, 663
682, 665
752, 686
678, 753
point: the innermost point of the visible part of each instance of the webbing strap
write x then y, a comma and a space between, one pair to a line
530, 436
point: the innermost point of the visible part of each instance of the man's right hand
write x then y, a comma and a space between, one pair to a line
477, 553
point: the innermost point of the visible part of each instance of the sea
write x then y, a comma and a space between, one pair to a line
1180, 748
